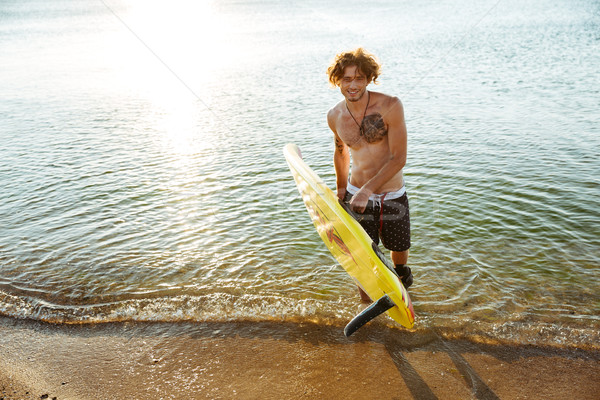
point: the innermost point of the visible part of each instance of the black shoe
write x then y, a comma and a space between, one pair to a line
405, 275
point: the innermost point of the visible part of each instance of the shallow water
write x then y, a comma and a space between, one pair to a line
143, 178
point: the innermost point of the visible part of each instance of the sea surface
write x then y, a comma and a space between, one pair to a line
142, 174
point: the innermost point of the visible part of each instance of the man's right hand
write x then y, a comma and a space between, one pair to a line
341, 193
359, 201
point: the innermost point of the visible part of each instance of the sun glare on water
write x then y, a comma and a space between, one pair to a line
172, 54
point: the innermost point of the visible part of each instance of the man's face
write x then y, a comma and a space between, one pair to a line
353, 84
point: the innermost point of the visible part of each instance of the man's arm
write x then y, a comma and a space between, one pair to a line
341, 159
397, 141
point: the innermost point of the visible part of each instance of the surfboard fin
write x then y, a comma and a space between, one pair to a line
375, 309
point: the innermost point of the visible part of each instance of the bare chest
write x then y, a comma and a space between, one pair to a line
357, 133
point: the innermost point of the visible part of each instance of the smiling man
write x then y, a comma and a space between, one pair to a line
369, 128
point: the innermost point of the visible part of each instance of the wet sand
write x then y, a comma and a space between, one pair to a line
277, 361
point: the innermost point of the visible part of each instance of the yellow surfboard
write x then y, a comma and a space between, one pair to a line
351, 246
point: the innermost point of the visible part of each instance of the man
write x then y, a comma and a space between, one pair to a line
370, 128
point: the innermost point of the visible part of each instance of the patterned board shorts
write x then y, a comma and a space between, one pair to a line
388, 220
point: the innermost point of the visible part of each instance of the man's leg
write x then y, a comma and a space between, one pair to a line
399, 257
395, 234
363, 296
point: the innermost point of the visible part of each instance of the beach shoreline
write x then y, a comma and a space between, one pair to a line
276, 360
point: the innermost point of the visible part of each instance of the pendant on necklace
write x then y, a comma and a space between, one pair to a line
360, 127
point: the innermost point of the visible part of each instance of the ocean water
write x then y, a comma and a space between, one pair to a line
142, 174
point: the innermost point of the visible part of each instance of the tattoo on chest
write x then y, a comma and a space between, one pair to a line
372, 128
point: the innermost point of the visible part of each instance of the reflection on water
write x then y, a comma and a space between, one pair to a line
143, 179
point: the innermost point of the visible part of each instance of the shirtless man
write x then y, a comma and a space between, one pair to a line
370, 127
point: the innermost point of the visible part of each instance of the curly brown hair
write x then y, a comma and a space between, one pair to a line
366, 63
